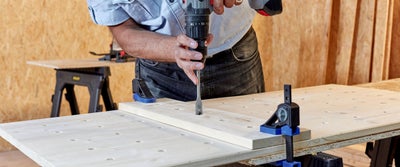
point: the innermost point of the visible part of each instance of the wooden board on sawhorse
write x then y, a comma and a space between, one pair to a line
91, 73
230, 127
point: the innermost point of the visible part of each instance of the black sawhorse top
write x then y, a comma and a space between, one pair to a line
97, 81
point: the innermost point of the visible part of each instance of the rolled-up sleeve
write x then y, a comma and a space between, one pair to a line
106, 12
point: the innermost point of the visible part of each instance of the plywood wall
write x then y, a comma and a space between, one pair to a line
311, 43
334, 41
294, 45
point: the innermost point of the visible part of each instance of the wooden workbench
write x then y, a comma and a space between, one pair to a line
337, 116
91, 73
73, 63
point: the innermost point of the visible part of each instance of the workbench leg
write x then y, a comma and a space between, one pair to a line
71, 98
383, 152
56, 99
95, 91
107, 98
397, 153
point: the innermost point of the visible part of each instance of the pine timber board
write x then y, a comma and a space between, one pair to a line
382, 40
361, 59
392, 85
114, 138
340, 45
69, 63
224, 125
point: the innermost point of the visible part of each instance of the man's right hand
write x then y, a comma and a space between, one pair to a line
185, 62
145, 44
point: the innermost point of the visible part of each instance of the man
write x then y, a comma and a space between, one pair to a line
153, 31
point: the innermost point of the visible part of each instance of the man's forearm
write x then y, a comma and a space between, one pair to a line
158, 47
141, 43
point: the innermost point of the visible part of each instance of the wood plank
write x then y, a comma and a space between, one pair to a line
114, 138
73, 63
365, 111
323, 109
15, 159
364, 35
388, 42
229, 127
394, 70
382, 40
343, 23
334, 108
393, 85
295, 43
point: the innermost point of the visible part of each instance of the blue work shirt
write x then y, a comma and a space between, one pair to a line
168, 17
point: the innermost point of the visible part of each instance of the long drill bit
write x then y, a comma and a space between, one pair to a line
199, 104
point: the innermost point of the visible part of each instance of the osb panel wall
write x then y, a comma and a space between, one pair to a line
48, 30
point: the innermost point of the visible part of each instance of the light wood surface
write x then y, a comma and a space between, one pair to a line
382, 37
323, 107
114, 138
353, 156
229, 127
294, 46
15, 159
71, 63
337, 116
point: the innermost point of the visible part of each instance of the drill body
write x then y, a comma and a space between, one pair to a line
197, 16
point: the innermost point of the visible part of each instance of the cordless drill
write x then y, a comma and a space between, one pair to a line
197, 24
197, 14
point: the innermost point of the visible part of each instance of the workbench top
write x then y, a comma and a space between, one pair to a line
114, 138
337, 116
74, 63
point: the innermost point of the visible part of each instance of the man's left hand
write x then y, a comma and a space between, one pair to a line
220, 4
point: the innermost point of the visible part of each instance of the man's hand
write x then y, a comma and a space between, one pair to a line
220, 4
163, 48
184, 59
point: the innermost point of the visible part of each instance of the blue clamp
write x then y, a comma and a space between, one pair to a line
288, 131
285, 122
141, 92
291, 164
138, 98
284, 130
285, 163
